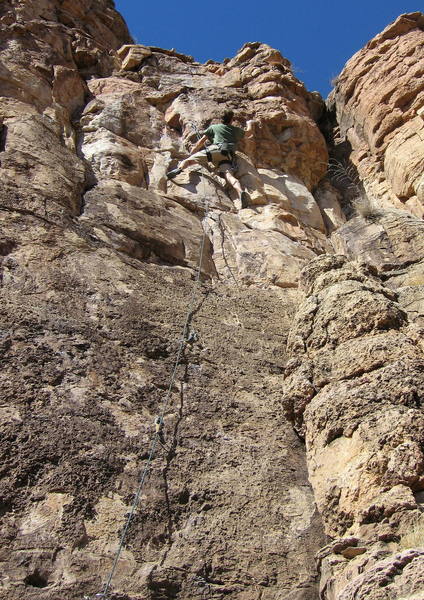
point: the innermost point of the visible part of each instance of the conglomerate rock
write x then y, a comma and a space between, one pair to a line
98, 268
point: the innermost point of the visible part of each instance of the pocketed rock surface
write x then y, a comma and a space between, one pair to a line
354, 388
100, 268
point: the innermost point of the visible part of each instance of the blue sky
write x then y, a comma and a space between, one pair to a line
318, 37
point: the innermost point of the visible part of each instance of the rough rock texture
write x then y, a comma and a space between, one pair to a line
392, 241
99, 268
134, 128
354, 389
46, 50
227, 508
378, 100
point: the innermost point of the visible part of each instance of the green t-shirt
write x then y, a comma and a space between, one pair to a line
221, 133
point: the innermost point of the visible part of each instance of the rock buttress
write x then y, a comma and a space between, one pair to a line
354, 390
378, 100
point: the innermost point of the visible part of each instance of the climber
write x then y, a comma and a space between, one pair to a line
221, 152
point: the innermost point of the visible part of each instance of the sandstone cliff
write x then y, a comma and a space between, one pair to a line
379, 100
99, 265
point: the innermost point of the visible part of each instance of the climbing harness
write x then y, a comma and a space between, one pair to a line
227, 149
159, 422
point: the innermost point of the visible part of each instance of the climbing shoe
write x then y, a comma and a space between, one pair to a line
243, 200
173, 173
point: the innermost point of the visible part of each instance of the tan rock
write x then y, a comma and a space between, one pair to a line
35, 158
232, 78
132, 111
255, 255
400, 576
273, 218
415, 204
351, 552
286, 138
46, 36
386, 239
132, 56
142, 224
69, 89
293, 195
98, 266
411, 298
328, 200
123, 109
364, 460
364, 577
376, 98
113, 157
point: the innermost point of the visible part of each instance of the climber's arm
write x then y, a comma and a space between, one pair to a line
249, 129
199, 145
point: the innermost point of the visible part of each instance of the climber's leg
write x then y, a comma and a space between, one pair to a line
235, 183
200, 158
226, 170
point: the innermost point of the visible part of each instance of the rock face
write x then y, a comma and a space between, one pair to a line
354, 389
147, 116
110, 273
48, 48
378, 99
99, 256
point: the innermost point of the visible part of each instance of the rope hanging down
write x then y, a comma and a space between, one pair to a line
159, 420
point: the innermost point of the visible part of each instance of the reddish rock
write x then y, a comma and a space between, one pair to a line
98, 266
377, 100
100, 293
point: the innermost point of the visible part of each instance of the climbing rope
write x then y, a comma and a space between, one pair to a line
159, 420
